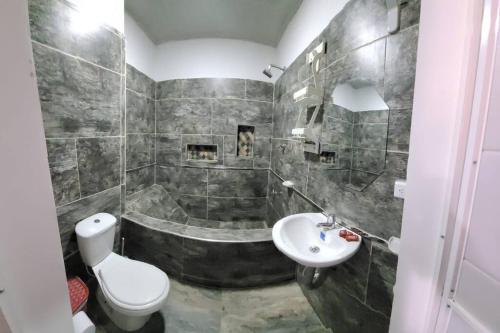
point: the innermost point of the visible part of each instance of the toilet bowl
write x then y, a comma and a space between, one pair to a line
129, 290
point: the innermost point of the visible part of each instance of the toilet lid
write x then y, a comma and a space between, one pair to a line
133, 282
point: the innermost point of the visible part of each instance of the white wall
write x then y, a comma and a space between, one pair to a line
140, 51
36, 294
225, 58
311, 18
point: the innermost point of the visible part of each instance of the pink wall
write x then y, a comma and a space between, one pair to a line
36, 295
447, 55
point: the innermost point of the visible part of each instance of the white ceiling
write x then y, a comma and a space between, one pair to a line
260, 21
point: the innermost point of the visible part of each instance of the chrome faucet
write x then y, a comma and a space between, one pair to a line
329, 224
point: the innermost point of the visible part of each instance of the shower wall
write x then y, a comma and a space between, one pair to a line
80, 76
355, 296
228, 188
140, 129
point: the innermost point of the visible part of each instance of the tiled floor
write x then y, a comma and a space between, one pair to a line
277, 309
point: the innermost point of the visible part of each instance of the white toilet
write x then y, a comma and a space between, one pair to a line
129, 290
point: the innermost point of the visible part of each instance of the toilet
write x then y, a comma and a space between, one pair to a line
129, 291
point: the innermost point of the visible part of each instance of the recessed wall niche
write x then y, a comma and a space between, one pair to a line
327, 157
202, 153
246, 140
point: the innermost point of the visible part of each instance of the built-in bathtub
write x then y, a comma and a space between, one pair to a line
209, 253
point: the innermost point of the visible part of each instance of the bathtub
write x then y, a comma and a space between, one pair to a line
207, 253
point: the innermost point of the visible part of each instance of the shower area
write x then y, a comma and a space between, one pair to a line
197, 186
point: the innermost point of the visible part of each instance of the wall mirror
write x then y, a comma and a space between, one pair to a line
361, 132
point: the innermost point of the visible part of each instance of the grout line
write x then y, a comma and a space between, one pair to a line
74, 57
140, 94
78, 172
140, 167
90, 196
84, 137
217, 197
215, 98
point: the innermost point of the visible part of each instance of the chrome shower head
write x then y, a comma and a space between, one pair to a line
267, 72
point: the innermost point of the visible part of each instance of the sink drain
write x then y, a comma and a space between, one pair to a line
314, 249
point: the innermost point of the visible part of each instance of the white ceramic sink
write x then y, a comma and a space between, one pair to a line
298, 237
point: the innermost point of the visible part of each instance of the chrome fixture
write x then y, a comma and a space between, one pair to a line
267, 70
329, 224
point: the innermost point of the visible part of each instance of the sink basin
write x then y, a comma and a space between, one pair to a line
298, 237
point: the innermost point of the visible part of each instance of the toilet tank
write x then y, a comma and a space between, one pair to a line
95, 236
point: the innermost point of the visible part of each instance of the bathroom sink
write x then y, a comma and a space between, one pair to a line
298, 237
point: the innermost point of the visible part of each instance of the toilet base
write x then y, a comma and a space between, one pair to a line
125, 322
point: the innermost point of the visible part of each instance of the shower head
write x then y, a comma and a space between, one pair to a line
267, 71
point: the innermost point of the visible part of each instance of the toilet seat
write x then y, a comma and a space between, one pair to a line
131, 286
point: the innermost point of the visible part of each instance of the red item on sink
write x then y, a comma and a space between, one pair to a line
78, 294
352, 238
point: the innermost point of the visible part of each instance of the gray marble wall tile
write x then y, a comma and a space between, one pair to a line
202, 139
261, 152
54, 23
362, 66
371, 117
229, 113
184, 116
214, 88
342, 312
400, 68
63, 170
77, 98
140, 83
194, 206
259, 90
230, 157
168, 149
69, 215
237, 183
140, 113
410, 14
398, 137
182, 180
359, 23
234, 264
139, 179
381, 279
156, 202
169, 89
369, 136
98, 164
337, 131
163, 250
237, 209
338, 112
140, 150
289, 161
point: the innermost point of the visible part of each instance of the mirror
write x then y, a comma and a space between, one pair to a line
358, 137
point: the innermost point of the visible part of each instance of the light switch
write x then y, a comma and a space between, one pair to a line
400, 188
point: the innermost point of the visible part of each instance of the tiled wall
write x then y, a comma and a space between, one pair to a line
208, 111
355, 296
140, 128
81, 86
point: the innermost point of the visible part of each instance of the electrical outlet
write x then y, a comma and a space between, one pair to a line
400, 188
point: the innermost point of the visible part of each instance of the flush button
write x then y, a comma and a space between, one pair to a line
97, 221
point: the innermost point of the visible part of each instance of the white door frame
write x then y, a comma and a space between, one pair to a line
447, 59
